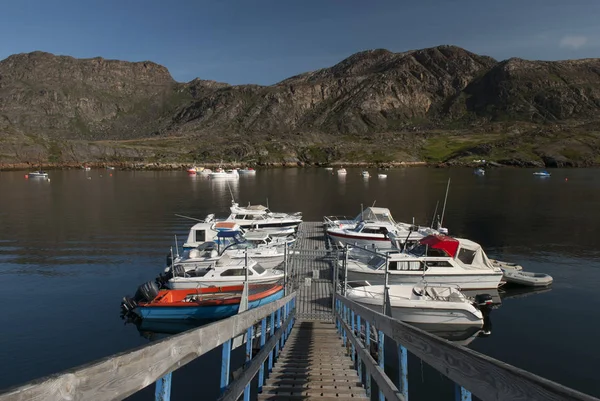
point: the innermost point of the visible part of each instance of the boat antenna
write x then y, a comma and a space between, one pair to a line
374, 202
405, 245
445, 199
230, 192
434, 213
267, 203
189, 218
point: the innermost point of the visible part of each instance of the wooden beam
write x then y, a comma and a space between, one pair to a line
485, 377
118, 376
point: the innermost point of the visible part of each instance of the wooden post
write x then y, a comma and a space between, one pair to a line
461, 393
163, 388
380, 357
225, 361
368, 346
263, 339
270, 364
352, 326
403, 371
358, 360
250, 332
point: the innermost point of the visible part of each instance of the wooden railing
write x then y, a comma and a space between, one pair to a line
118, 376
472, 372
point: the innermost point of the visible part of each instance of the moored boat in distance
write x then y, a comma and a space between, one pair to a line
260, 217
37, 174
365, 174
247, 170
480, 171
342, 171
543, 173
221, 173
381, 175
329, 168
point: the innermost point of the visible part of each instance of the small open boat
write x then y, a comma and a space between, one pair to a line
329, 168
480, 171
365, 174
37, 174
202, 303
542, 173
381, 175
221, 173
341, 171
529, 279
248, 170
421, 303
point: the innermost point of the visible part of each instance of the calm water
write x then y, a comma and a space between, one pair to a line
72, 247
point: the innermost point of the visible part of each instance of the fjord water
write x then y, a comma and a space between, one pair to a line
70, 248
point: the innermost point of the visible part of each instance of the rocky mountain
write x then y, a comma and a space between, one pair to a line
442, 104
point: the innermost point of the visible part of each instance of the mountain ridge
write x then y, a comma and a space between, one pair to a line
440, 104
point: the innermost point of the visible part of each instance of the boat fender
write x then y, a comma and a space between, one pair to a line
146, 292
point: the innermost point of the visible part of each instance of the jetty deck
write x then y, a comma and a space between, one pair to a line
312, 344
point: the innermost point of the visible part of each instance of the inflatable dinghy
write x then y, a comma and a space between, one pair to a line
527, 278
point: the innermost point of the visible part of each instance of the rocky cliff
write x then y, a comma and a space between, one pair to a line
442, 104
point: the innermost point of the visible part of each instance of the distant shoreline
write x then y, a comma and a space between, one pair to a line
183, 166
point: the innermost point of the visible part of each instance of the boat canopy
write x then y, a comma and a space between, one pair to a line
379, 214
447, 244
250, 209
471, 253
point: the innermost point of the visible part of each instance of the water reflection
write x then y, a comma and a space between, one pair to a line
521, 292
458, 334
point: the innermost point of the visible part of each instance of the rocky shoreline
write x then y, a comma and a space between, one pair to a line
175, 166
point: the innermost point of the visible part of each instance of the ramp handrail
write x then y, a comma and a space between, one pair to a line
472, 372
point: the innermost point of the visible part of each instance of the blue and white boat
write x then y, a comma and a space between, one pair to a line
542, 173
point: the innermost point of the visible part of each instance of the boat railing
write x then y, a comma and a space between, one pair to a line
472, 373
121, 375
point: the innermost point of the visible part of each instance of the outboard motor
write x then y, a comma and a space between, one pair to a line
145, 293
484, 303
169, 259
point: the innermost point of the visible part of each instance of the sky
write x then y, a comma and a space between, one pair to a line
263, 42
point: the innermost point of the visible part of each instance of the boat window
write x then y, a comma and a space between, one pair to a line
375, 262
258, 269
235, 272
419, 250
200, 235
466, 256
439, 263
393, 266
240, 216
414, 265
359, 227
375, 230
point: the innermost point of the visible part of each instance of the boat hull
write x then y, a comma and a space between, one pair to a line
180, 283
424, 315
361, 241
464, 281
200, 312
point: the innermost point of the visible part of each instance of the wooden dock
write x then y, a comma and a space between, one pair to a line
314, 365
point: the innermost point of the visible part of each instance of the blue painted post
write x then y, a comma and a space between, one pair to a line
163, 388
461, 393
352, 325
263, 335
403, 371
368, 345
225, 361
282, 338
278, 326
380, 352
273, 350
249, 334
358, 361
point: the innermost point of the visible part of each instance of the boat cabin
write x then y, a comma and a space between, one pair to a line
208, 230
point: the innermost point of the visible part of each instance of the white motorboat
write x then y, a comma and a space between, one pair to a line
225, 271
440, 259
421, 304
371, 229
206, 171
329, 168
342, 171
86, 168
529, 279
542, 173
365, 174
260, 217
209, 229
37, 174
248, 171
221, 173
381, 175
479, 171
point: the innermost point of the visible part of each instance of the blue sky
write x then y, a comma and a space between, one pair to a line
264, 42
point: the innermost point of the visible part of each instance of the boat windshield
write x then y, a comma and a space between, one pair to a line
376, 262
420, 249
